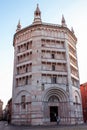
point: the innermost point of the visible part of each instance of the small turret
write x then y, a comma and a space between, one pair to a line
63, 22
37, 16
72, 30
18, 26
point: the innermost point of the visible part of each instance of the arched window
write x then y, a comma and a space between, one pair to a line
23, 100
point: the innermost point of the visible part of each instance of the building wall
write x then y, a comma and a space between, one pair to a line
83, 89
1, 110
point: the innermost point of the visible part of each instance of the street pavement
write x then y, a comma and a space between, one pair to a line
5, 126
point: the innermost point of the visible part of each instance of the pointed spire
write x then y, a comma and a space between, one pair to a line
72, 30
37, 16
37, 9
63, 22
18, 26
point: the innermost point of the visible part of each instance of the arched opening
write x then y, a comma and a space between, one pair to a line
22, 107
55, 103
53, 113
53, 108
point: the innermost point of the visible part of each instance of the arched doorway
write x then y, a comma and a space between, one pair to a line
55, 104
53, 107
53, 113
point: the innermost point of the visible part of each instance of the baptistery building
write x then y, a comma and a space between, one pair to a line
46, 75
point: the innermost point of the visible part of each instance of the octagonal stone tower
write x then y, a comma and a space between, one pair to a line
46, 75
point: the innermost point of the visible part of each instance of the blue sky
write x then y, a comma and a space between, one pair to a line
11, 11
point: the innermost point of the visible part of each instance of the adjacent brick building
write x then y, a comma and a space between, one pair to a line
1, 110
46, 77
83, 88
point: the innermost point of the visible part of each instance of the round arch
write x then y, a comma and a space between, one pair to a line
76, 93
19, 94
55, 103
58, 92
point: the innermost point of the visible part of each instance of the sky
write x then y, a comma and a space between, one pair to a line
11, 11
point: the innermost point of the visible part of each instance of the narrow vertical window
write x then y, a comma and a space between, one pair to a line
26, 80
26, 68
52, 56
54, 80
76, 99
53, 67
16, 82
23, 100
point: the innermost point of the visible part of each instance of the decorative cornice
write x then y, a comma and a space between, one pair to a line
45, 26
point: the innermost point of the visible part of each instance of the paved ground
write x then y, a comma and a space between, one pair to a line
5, 126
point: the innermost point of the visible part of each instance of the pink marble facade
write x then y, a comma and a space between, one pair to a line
45, 79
